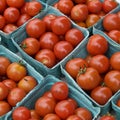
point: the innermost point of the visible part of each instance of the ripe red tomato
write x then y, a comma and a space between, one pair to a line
74, 36
97, 44
118, 102
60, 90
88, 75
62, 49
73, 117
64, 109
3, 5
30, 45
51, 116
11, 14
16, 71
79, 1
49, 94
21, 112
46, 57
107, 117
2, 22
35, 28
60, 25
4, 107
44, 106
101, 94
34, 114
73, 66
48, 40
79, 12
15, 96
112, 80
73, 101
23, 8
83, 113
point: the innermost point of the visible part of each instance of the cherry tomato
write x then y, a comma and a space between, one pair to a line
101, 94
97, 44
2, 22
74, 36
35, 28
62, 49
112, 80
3, 5
46, 57
30, 45
107, 117
60, 25
73, 117
51, 116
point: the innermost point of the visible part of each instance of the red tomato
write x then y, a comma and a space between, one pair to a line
65, 6
115, 61
73, 66
15, 96
62, 49
33, 8
74, 36
73, 117
16, 71
2, 22
79, 1
60, 90
73, 101
79, 12
64, 109
34, 114
48, 40
51, 116
3, 5
46, 57
118, 102
30, 45
15, 3
112, 80
101, 94
60, 25
83, 113
11, 14
23, 8
107, 117
35, 28
44, 106
4, 107
97, 44
21, 113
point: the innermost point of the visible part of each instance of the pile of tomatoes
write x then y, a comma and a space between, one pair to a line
14, 13
54, 103
15, 83
85, 13
97, 74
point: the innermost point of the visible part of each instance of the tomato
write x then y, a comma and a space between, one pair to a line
35, 28
79, 12
83, 113
115, 61
33, 8
73, 117
15, 96
46, 57
51, 116
74, 36
60, 90
2, 22
48, 40
97, 44
101, 14
88, 75
81, 24
73, 66
100, 63
109, 5
23, 8
112, 80
73, 101
44, 106
111, 22
3, 5
94, 6
4, 107
3, 91
48, 20
114, 35
27, 83
21, 112
101, 94
15, 3
65, 6
30, 45
64, 109
60, 25
9, 28
79, 1
34, 114
107, 117
16, 71
62, 49
4, 63
22, 19
118, 102
11, 14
